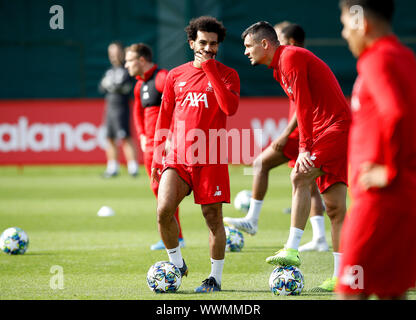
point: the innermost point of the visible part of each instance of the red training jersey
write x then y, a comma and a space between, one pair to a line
313, 89
384, 114
198, 101
145, 118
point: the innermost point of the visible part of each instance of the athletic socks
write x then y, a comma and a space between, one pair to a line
132, 167
216, 270
175, 256
112, 166
337, 261
318, 227
295, 235
254, 210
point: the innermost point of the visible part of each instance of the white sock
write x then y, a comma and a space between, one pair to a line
132, 166
112, 166
175, 256
254, 211
318, 227
216, 269
337, 261
295, 235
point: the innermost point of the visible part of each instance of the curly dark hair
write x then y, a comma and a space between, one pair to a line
207, 24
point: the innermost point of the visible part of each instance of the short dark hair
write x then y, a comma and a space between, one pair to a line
295, 32
382, 9
207, 24
261, 30
142, 50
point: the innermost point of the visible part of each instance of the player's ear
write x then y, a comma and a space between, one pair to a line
264, 43
191, 44
366, 26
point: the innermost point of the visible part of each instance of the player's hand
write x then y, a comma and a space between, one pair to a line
155, 175
304, 163
279, 143
372, 176
203, 56
143, 142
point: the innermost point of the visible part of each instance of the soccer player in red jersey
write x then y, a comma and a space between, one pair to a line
323, 118
198, 97
147, 99
379, 230
275, 155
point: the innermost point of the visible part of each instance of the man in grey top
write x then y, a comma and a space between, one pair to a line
117, 85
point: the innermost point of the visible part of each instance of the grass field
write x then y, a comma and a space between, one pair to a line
108, 258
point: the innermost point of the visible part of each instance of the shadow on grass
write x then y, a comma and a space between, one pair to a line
189, 292
39, 254
257, 249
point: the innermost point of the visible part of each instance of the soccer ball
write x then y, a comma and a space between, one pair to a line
14, 241
235, 239
163, 277
286, 281
242, 200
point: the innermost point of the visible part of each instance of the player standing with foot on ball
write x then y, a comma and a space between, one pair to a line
379, 230
198, 97
323, 118
282, 150
147, 99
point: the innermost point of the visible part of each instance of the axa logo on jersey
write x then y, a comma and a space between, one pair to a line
193, 99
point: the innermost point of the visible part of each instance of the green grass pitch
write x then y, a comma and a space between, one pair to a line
108, 257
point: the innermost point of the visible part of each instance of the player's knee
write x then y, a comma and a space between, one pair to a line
335, 211
212, 217
262, 164
165, 213
300, 179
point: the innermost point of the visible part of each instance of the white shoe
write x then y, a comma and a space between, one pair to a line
319, 245
241, 224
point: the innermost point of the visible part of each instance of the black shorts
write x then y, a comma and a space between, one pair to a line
117, 122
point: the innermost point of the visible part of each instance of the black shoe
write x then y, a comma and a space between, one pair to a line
208, 285
107, 174
134, 174
184, 269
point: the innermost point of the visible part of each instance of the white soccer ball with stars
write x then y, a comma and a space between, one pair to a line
164, 277
286, 281
242, 200
235, 239
14, 241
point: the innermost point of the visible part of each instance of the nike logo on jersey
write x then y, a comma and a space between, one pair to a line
194, 98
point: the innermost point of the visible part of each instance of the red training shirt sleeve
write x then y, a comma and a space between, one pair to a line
164, 121
384, 89
227, 90
303, 106
138, 110
160, 84
161, 80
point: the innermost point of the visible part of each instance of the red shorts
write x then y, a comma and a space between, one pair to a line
378, 237
330, 152
291, 149
210, 184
